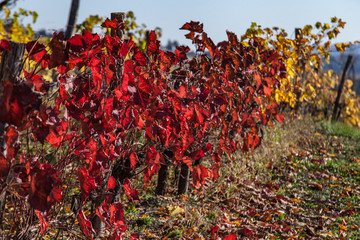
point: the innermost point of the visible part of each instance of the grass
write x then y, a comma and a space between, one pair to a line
340, 129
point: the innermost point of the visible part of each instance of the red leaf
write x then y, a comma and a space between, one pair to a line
152, 36
98, 161
181, 51
200, 173
140, 58
267, 90
215, 172
53, 138
135, 236
87, 183
108, 74
117, 218
153, 44
103, 211
193, 27
208, 148
111, 183
198, 154
280, 117
128, 66
214, 232
187, 139
251, 141
258, 79
201, 114
57, 47
5, 45
109, 23
209, 44
181, 92
246, 232
18, 100
4, 168
133, 160
42, 216
127, 78
85, 225
231, 236
36, 51
233, 39
11, 138
132, 194
11, 111
152, 162
44, 188
188, 161
37, 81
76, 43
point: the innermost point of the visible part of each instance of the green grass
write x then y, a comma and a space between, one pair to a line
340, 129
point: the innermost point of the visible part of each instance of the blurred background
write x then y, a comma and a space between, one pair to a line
217, 17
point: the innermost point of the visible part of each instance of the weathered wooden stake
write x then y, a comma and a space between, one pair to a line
336, 113
184, 179
298, 37
10, 68
70, 28
11, 63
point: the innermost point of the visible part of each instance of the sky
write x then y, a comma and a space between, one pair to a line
216, 15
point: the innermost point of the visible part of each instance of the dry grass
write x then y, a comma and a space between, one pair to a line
277, 140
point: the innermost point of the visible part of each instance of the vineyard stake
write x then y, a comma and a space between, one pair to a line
336, 111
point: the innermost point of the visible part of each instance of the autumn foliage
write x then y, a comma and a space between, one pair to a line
119, 111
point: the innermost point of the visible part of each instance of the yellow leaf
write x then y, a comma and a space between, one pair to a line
175, 210
296, 200
342, 227
237, 223
334, 19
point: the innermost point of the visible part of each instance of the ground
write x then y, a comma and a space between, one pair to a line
302, 183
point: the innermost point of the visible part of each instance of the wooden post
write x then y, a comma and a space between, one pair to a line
298, 33
11, 63
184, 179
70, 28
301, 64
119, 16
10, 68
163, 173
162, 179
336, 112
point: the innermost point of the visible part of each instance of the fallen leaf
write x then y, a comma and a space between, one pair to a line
342, 227
175, 210
316, 186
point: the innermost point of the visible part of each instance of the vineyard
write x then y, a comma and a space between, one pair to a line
111, 137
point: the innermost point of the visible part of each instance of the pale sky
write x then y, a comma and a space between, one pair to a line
217, 15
